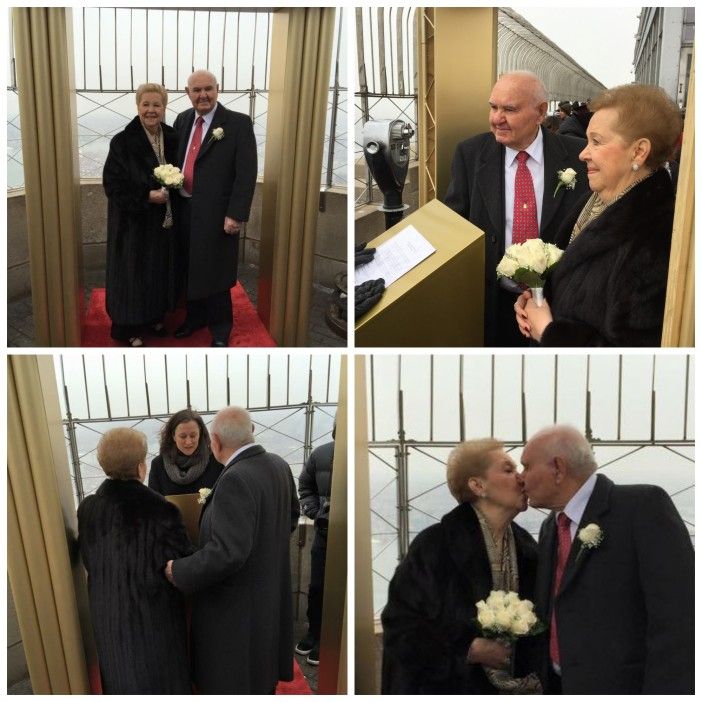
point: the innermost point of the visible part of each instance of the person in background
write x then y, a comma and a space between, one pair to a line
140, 272
185, 462
315, 495
125, 533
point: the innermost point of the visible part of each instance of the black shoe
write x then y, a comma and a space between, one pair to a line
313, 657
184, 331
219, 344
305, 646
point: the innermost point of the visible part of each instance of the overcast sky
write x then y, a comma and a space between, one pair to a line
600, 39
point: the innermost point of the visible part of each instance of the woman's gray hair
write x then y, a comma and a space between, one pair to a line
233, 427
471, 459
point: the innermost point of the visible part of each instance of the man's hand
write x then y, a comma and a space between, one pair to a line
231, 226
168, 571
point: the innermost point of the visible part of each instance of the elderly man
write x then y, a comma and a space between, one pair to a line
217, 154
242, 623
615, 578
504, 182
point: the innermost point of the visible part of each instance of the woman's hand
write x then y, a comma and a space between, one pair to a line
158, 197
520, 312
538, 318
490, 652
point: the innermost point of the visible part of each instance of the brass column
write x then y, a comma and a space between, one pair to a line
679, 319
364, 625
297, 109
333, 653
45, 76
47, 581
457, 69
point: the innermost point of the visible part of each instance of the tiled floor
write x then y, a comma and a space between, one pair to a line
20, 322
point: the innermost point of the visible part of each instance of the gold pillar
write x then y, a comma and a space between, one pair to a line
297, 109
333, 653
679, 318
457, 69
45, 76
364, 625
47, 583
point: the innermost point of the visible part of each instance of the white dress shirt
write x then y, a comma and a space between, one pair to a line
535, 164
237, 452
576, 506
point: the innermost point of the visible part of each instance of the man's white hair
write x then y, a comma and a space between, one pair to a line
540, 93
233, 427
568, 443
203, 72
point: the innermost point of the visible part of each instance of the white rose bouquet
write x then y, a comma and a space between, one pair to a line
504, 616
169, 176
528, 264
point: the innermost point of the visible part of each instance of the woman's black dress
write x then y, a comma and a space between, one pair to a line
127, 533
141, 267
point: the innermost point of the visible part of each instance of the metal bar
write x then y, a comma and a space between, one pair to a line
177, 62
115, 20
461, 407
228, 383
192, 53
619, 400
372, 379
187, 383
381, 51
131, 46
492, 395
224, 39
653, 399
209, 20
146, 387
687, 390
516, 443
523, 402
328, 376
236, 51
168, 399
372, 53
268, 47
85, 79
100, 46
555, 388
207, 382
268, 381
85, 385
287, 380
146, 54
104, 385
400, 52
334, 110
75, 459
248, 361
126, 387
431, 397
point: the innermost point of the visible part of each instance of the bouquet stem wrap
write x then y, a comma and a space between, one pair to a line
537, 295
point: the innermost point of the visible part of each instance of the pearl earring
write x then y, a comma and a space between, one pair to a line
634, 167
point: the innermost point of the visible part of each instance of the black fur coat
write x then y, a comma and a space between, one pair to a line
127, 533
429, 620
143, 259
609, 287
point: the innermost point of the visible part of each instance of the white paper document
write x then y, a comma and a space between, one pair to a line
395, 257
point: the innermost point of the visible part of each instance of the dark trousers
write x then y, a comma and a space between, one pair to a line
318, 558
214, 311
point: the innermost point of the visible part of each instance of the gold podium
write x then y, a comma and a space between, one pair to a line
190, 511
440, 302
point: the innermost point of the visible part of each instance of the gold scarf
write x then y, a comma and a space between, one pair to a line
156, 141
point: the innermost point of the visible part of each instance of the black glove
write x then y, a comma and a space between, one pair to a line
363, 255
367, 295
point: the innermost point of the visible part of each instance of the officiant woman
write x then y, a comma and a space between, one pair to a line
141, 241
609, 287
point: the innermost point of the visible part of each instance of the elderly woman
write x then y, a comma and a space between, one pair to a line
127, 533
609, 287
431, 642
141, 245
185, 462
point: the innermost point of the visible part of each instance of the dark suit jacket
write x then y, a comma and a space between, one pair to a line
242, 620
625, 610
429, 621
609, 287
223, 186
477, 192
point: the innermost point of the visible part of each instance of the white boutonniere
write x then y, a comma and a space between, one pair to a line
204, 494
590, 537
217, 134
566, 179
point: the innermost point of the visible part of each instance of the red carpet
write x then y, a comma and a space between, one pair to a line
248, 328
298, 686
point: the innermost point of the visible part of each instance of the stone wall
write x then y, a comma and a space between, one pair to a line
330, 247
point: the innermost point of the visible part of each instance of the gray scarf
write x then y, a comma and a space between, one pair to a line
182, 469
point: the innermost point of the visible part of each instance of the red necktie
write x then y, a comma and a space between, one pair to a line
564, 544
195, 143
525, 224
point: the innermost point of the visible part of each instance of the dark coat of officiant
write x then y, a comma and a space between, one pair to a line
141, 245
